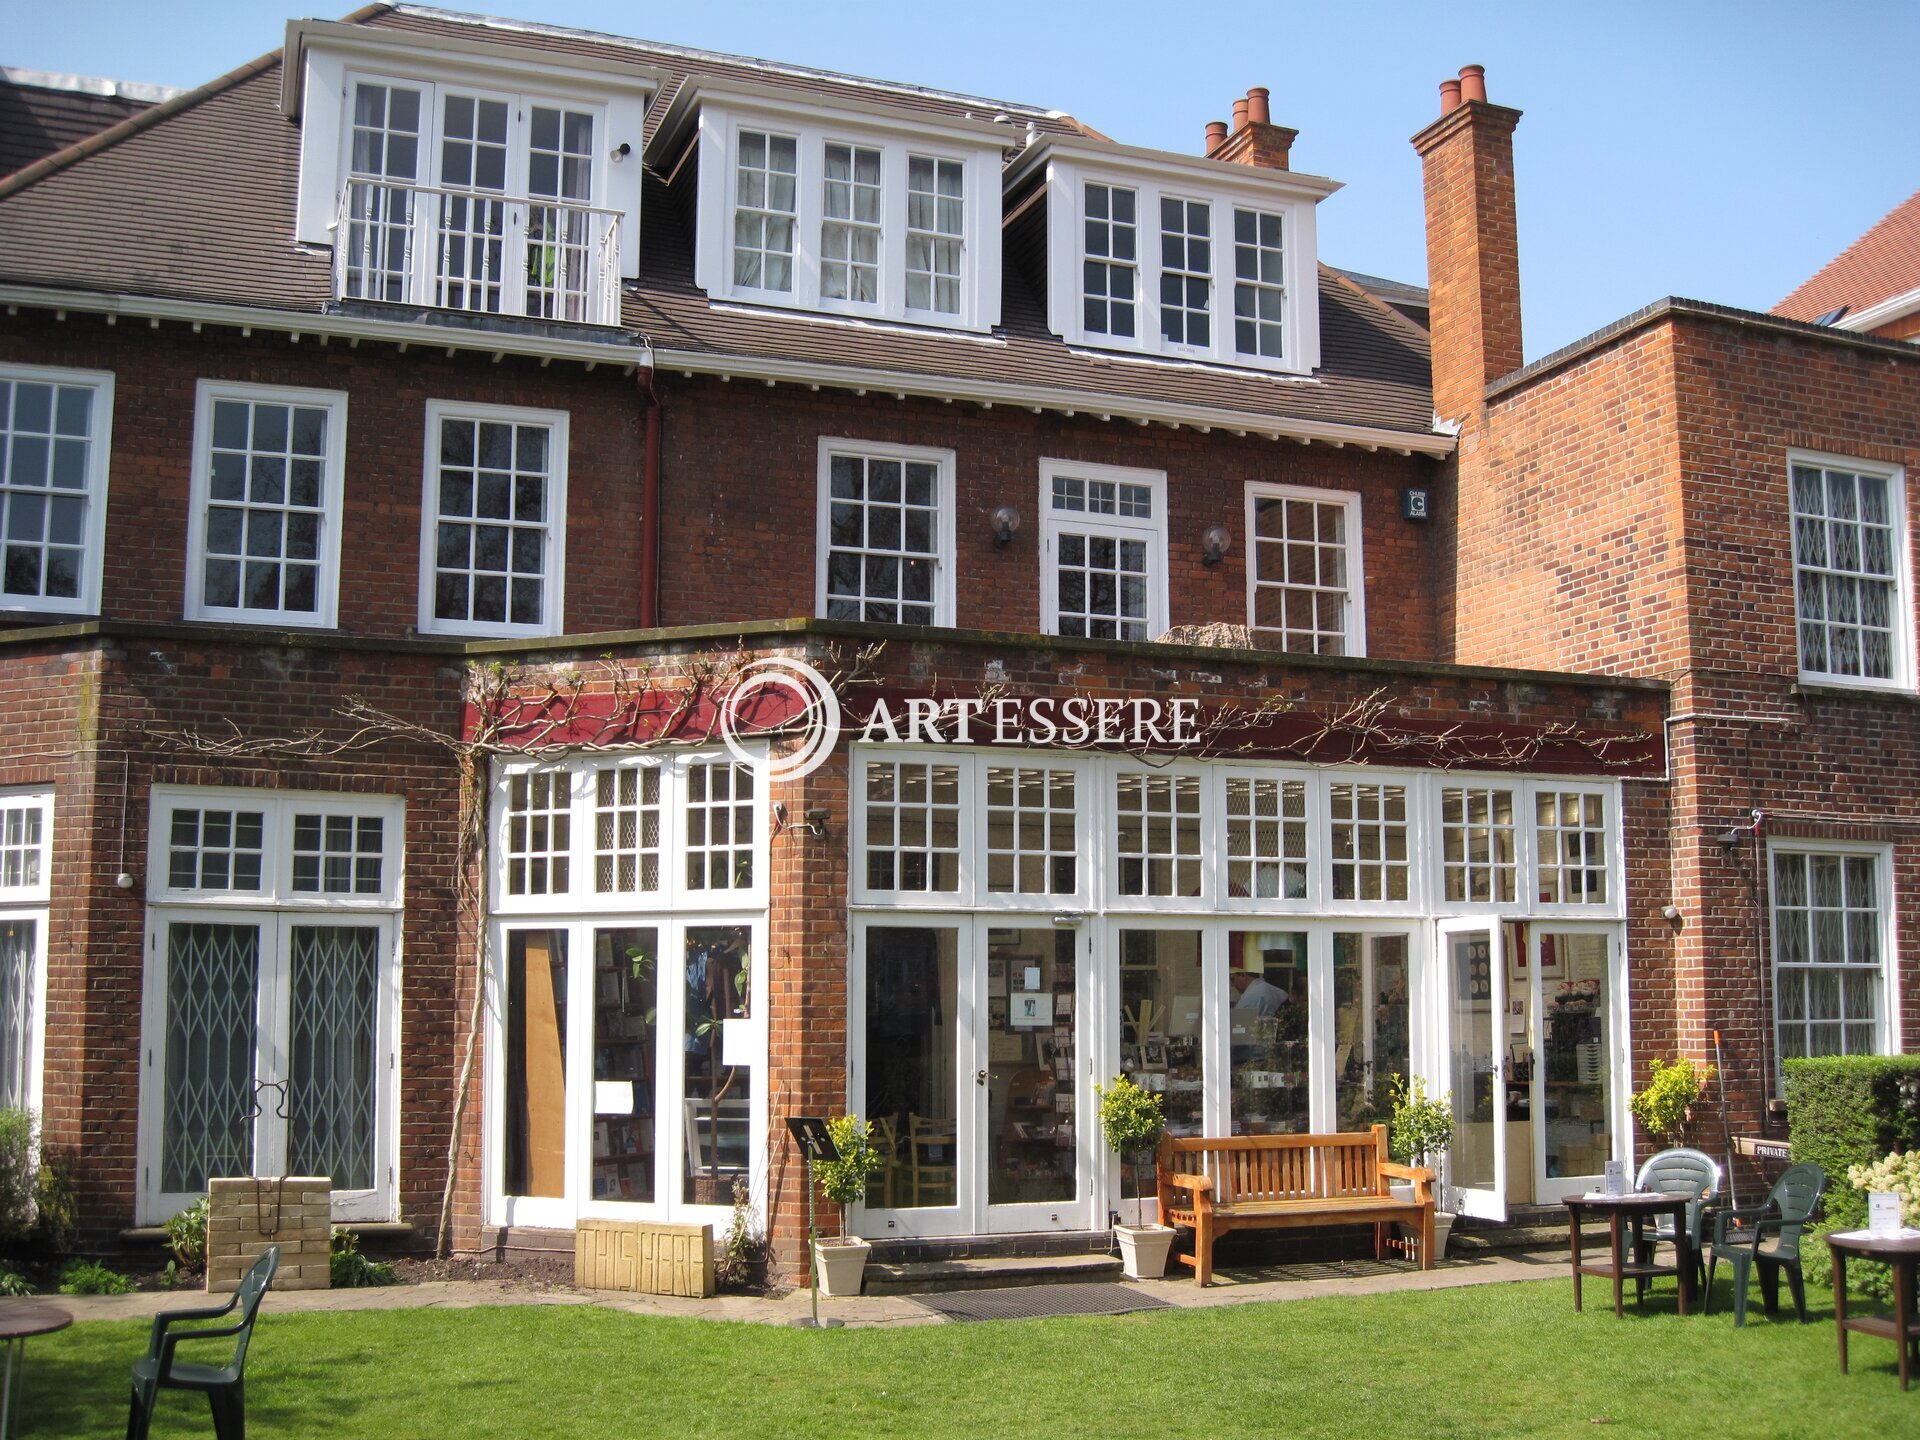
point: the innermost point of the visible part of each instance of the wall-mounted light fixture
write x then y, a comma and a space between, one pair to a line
817, 824
1215, 544
622, 151
1006, 520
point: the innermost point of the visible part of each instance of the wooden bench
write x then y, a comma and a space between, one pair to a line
1265, 1182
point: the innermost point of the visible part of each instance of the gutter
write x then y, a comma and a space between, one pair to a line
1894, 307
629, 351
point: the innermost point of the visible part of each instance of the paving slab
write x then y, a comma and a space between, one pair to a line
1231, 1287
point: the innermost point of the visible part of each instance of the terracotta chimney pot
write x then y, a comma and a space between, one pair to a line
1239, 116
1216, 136
1473, 82
1257, 111
1449, 96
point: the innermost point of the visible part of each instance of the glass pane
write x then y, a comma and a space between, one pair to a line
717, 1097
1573, 1044
1370, 1026
625, 1015
332, 1093
1470, 996
1267, 1031
213, 972
535, 1139
1030, 1100
1160, 1005
912, 1005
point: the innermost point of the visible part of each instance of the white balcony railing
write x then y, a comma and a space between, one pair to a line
471, 250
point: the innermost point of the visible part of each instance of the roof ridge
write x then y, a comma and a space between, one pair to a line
100, 87
696, 53
1342, 278
165, 110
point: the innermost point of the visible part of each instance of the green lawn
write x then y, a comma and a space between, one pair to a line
1479, 1362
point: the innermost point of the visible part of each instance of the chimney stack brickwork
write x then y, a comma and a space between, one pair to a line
1255, 139
1473, 252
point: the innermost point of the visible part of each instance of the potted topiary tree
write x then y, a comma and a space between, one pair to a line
1132, 1121
842, 1260
1420, 1132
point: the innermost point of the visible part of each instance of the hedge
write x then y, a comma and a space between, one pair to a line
1846, 1110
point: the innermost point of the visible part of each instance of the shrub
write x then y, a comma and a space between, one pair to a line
348, 1269
57, 1197
14, 1285
187, 1236
844, 1181
1131, 1119
1666, 1105
1848, 1110
90, 1277
1420, 1129
19, 1168
743, 1248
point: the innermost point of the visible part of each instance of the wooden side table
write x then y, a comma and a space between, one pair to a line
1903, 1254
1638, 1208
17, 1323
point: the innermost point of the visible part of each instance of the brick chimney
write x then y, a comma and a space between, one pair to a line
1473, 254
1255, 139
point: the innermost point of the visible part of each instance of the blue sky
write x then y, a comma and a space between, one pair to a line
1717, 150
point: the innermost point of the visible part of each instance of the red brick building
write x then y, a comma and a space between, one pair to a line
424, 440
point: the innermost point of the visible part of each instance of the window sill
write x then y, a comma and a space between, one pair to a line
1821, 690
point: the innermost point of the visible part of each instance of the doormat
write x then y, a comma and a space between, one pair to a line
1039, 1302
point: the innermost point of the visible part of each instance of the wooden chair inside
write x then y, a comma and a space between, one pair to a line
886, 1134
931, 1159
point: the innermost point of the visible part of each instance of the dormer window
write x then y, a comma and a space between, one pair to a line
1188, 259
869, 215
468, 177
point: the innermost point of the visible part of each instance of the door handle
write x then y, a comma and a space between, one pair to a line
979, 1077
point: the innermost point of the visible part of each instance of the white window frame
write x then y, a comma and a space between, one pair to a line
970, 866
1901, 640
1888, 1039
553, 600
99, 463
975, 822
943, 528
321, 98
973, 145
1613, 862
332, 483
673, 894
1153, 532
1355, 637
276, 908
1106, 852
578, 1201
1071, 165
1525, 878
1319, 836
29, 903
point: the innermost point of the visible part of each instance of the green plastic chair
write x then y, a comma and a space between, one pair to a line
225, 1385
1694, 1174
1769, 1238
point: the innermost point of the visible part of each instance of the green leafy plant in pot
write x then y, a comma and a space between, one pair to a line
842, 1261
1665, 1107
1132, 1121
1420, 1132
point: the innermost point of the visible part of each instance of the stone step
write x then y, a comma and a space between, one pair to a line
986, 1272
1481, 1238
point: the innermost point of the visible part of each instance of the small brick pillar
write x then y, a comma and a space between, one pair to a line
245, 1216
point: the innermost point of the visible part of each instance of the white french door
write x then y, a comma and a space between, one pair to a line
967, 1059
628, 1070
1577, 1054
1468, 1002
270, 1051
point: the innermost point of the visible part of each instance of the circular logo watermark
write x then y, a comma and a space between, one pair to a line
815, 717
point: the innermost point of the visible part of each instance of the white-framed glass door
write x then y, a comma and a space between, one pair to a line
1577, 976
270, 1053
628, 1077
1032, 990
1471, 979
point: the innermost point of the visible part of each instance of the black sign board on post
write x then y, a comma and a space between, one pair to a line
810, 1134
816, 1144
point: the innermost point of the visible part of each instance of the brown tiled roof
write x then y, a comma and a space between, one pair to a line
1881, 264
37, 119
194, 201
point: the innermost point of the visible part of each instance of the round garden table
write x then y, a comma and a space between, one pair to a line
1902, 1252
1636, 1210
17, 1323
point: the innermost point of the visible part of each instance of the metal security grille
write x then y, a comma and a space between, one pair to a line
19, 940
212, 985
330, 1100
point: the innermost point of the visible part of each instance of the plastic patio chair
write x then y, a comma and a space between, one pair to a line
1770, 1238
1679, 1172
225, 1385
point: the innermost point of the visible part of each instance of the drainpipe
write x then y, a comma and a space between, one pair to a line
649, 498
